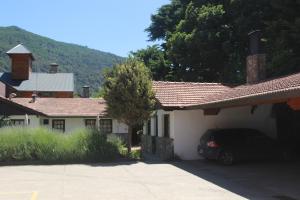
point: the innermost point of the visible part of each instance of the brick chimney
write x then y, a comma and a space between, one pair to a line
86, 91
256, 61
21, 62
53, 68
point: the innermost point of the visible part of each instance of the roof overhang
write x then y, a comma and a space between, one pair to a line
3, 99
272, 97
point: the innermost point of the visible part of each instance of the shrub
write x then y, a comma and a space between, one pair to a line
25, 144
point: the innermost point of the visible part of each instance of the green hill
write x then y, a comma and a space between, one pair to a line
85, 63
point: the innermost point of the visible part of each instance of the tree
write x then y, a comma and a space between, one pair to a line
155, 59
128, 92
207, 40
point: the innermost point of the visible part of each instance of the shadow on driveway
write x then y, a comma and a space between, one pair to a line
267, 180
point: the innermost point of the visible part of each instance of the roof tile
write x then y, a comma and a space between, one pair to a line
69, 107
184, 94
180, 94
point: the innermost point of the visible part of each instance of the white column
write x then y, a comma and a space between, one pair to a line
172, 124
160, 125
152, 126
145, 128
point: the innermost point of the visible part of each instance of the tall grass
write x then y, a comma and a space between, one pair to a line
28, 144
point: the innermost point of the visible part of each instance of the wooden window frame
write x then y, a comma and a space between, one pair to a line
45, 122
63, 124
101, 128
90, 125
13, 122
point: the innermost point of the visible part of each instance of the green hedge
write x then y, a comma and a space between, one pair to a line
28, 144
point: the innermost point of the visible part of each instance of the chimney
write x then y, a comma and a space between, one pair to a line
53, 68
86, 91
12, 95
256, 61
33, 97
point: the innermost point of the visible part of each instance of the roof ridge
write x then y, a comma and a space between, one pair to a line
52, 73
196, 83
272, 79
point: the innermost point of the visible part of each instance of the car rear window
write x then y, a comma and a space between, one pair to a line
229, 136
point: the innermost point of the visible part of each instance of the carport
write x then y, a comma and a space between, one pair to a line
186, 110
282, 95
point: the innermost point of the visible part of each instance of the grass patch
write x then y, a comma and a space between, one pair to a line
134, 154
31, 144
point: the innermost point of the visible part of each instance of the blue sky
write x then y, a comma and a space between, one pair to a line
115, 26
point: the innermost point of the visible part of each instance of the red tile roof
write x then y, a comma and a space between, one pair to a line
212, 95
182, 94
278, 89
65, 107
24, 108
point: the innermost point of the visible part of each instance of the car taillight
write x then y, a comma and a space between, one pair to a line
212, 144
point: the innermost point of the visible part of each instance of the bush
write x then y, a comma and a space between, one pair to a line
27, 144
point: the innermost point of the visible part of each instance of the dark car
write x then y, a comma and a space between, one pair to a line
231, 145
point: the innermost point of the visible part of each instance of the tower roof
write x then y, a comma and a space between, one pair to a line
19, 49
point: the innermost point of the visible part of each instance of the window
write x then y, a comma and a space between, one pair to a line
46, 121
166, 125
17, 122
90, 123
105, 125
58, 124
149, 127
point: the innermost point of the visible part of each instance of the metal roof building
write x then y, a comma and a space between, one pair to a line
62, 82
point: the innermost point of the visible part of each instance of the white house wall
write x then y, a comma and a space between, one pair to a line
34, 120
189, 126
160, 120
71, 124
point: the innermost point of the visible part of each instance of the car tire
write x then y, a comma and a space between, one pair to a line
226, 157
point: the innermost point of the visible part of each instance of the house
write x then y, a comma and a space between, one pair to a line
24, 83
46, 99
186, 110
62, 114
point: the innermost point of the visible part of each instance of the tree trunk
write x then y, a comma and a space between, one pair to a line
129, 139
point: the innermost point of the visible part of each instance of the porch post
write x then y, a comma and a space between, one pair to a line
145, 128
152, 126
26, 120
98, 123
160, 124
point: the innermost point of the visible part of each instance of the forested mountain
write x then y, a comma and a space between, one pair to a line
207, 40
85, 63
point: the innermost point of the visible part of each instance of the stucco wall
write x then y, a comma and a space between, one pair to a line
34, 120
71, 124
190, 125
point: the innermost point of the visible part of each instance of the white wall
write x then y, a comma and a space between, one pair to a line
160, 121
190, 125
34, 120
71, 124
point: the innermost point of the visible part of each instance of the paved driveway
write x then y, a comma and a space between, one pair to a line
181, 180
